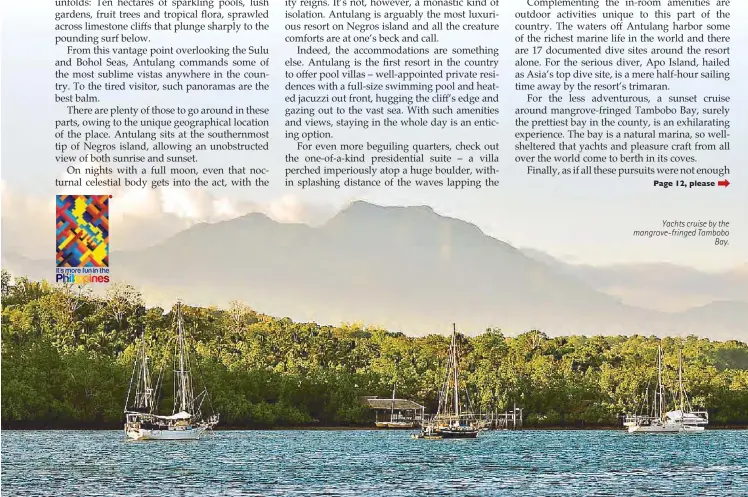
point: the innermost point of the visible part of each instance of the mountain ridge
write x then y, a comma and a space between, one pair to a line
404, 268
649, 284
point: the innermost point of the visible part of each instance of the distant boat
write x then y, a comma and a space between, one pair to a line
450, 421
681, 420
186, 421
396, 420
691, 420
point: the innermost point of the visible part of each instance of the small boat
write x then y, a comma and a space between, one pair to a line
450, 421
186, 421
676, 421
396, 421
424, 436
692, 429
396, 425
457, 430
692, 421
655, 426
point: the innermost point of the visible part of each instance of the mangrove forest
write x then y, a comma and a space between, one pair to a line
67, 358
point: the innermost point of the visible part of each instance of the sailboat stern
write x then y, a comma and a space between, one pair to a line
193, 433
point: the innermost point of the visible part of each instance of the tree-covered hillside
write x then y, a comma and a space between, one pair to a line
67, 357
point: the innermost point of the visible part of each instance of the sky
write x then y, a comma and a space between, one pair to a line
578, 219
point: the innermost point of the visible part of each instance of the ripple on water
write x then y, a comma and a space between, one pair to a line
376, 463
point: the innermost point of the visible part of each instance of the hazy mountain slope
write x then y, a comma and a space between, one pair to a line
724, 320
665, 287
406, 268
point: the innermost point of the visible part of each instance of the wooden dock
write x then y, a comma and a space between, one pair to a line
510, 420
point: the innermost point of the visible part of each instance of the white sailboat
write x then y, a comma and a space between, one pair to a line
675, 421
450, 421
691, 420
186, 421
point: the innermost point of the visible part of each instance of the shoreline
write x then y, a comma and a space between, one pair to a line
369, 428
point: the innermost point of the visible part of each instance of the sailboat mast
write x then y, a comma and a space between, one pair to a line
132, 380
680, 380
659, 382
182, 374
454, 365
146, 385
392, 407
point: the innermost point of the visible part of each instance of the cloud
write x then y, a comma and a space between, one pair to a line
141, 217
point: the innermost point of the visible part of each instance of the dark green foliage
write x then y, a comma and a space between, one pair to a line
67, 358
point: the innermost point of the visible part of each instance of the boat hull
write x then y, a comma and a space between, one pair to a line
692, 429
458, 433
665, 428
396, 425
422, 436
145, 434
649, 429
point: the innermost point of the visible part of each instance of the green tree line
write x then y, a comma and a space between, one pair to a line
67, 357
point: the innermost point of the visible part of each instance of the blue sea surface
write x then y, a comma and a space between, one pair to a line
376, 463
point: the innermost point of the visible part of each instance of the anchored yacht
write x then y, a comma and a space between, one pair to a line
681, 420
186, 421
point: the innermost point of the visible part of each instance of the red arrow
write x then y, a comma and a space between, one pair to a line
724, 183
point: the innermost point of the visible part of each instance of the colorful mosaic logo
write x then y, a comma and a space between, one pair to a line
83, 234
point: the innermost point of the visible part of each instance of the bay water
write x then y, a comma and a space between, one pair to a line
375, 463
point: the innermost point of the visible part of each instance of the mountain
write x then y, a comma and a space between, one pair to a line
404, 268
30, 268
721, 315
664, 287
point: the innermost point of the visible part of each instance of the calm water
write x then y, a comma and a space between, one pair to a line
376, 463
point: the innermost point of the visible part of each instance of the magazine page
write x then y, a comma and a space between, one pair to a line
300, 246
